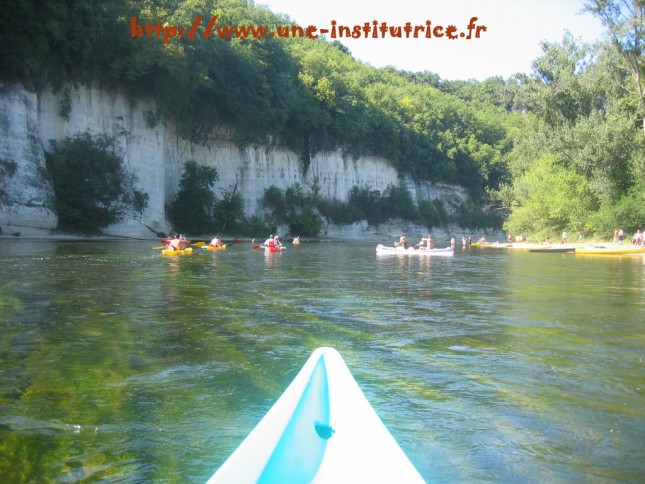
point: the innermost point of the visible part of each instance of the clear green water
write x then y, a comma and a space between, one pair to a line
120, 365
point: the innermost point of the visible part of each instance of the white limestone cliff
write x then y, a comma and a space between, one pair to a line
156, 154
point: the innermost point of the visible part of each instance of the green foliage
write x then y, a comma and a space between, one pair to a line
565, 205
471, 216
628, 213
197, 210
397, 203
255, 226
192, 209
306, 95
92, 189
229, 212
433, 213
57, 41
374, 207
65, 105
296, 208
625, 23
579, 151
582, 108
366, 204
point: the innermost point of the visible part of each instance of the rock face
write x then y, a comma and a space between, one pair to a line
155, 153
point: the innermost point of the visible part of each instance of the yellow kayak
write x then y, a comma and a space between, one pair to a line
186, 251
210, 247
610, 250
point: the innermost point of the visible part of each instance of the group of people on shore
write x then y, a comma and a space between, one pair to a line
637, 239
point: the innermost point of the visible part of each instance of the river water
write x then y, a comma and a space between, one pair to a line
121, 365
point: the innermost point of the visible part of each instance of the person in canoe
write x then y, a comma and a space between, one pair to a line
426, 243
402, 242
174, 243
296, 240
276, 242
183, 241
268, 242
216, 242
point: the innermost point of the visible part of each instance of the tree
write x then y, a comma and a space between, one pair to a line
557, 92
91, 187
192, 209
549, 198
625, 21
295, 208
583, 125
229, 211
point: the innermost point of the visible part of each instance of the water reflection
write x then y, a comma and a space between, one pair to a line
120, 364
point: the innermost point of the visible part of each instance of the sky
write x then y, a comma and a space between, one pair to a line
509, 45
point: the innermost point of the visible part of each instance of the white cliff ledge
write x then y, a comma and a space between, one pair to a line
156, 155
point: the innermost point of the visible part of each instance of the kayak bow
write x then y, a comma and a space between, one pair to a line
321, 429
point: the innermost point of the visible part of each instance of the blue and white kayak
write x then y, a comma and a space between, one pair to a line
384, 249
322, 429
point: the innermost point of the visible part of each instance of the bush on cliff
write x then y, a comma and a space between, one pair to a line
192, 209
92, 189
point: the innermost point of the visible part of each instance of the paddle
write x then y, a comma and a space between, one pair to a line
159, 248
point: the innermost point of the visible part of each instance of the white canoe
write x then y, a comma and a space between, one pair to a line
322, 429
384, 249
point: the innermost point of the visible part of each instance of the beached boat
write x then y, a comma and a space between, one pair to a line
384, 249
612, 250
322, 429
554, 249
186, 251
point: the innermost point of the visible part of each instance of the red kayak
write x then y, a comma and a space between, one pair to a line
165, 241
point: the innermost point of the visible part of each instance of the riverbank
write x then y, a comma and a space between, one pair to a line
527, 246
386, 239
385, 233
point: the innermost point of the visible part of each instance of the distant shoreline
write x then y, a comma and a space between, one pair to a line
371, 238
